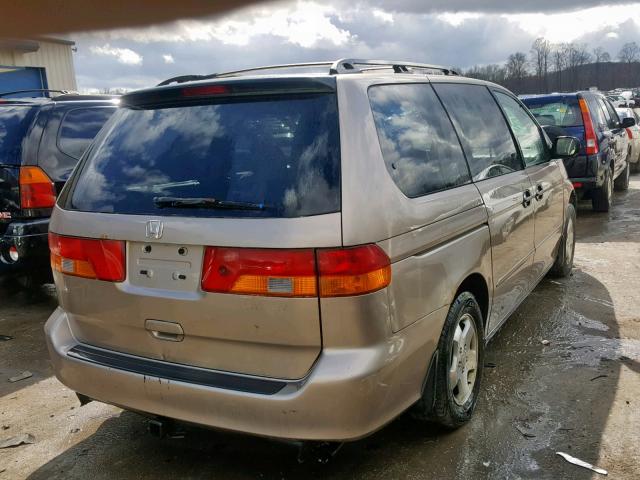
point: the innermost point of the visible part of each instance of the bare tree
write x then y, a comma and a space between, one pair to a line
559, 61
629, 53
600, 55
540, 53
577, 55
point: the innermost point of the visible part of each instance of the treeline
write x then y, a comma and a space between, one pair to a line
565, 67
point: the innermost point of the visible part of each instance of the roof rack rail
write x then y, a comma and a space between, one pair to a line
344, 65
61, 92
349, 65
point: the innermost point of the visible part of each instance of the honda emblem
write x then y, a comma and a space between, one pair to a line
154, 229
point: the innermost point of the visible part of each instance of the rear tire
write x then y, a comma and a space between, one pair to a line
622, 182
461, 355
564, 258
601, 198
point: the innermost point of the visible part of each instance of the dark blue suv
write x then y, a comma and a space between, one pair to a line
588, 116
41, 141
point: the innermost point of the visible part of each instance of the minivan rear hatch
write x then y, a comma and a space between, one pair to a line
243, 171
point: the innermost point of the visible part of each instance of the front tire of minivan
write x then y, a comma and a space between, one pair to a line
564, 258
459, 366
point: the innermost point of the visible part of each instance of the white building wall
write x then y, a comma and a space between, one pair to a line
56, 58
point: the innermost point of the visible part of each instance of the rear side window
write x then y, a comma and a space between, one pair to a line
420, 148
15, 121
483, 131
524, 129
270, 156
595, 110
555, 111
79, 127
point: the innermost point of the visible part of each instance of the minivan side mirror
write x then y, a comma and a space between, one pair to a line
627, 122
565, 147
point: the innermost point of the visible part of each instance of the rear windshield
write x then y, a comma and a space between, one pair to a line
258, 157
559, 112
14, 125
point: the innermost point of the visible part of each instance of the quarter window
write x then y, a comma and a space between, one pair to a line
525, 130
78, 128
482, 128
420, 148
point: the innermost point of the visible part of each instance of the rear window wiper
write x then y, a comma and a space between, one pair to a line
199, 202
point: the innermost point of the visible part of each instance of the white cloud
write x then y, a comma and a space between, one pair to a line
168, 58
306, 24
124, 55
612, 35
566, 27
382, 15
458, 18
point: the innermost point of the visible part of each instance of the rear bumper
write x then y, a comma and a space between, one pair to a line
29, 237
348, 394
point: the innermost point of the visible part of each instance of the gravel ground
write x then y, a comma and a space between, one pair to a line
579, 394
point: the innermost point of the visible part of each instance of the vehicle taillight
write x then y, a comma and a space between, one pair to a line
88, 257
36, 189
335, 272
629, 133
577, 184
251, 271
353, 271
591, 147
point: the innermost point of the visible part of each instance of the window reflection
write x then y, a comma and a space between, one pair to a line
281, 153
419, 146
483, 131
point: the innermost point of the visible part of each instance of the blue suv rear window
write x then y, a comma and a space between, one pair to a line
555, 111
275, 156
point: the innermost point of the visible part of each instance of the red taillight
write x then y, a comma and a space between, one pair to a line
296, 273
591, 147
205, 90
88, 257
36, 189
577, 184
250, 271
353, 271
629, 133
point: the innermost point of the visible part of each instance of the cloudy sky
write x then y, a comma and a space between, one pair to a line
449, 32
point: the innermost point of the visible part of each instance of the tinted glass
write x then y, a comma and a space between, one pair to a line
556, 111
609, 120
420, 148
79, 127
14, 125
595, 110
615, 121
282, 153
525, 130
483, 131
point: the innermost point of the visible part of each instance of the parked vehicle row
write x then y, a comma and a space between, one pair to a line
603, 162
41, 141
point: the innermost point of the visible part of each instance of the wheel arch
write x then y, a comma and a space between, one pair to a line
477, 285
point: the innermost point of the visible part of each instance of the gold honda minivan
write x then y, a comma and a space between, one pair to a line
304, 251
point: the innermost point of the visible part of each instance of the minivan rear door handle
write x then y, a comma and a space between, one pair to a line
539, 192
163, 330
526, 198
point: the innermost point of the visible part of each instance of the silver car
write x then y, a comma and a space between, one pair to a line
304, 251
633, 134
